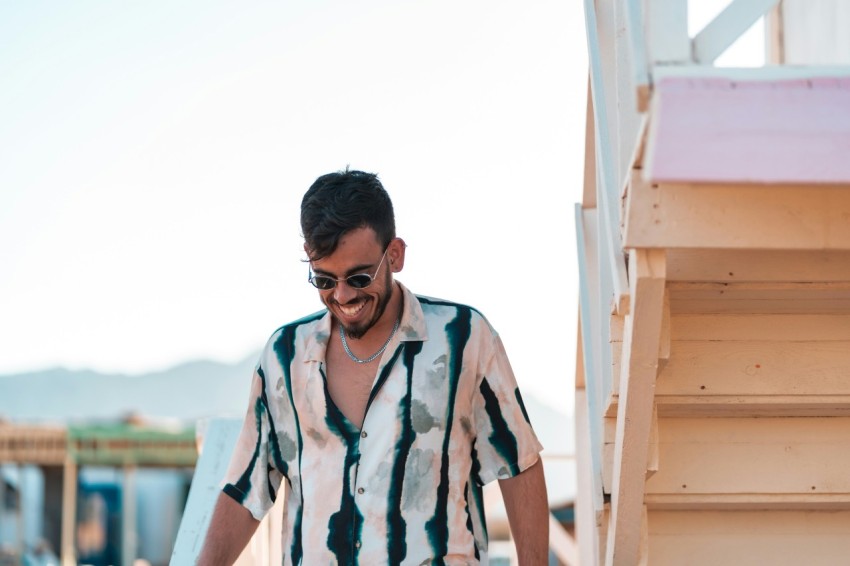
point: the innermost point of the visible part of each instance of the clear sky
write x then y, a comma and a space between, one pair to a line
153, 156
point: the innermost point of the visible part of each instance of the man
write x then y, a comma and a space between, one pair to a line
383, 415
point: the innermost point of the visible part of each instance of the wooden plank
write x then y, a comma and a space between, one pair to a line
815, 33
763, 327
220, 438
793, 217
757, 368
726, 131
640, 58
589, 502
601, 38
727, 28
636, 392
588, 199
590, 318
757, 460
709, 538
753, 377
580, 376
739, 265
667, 30
774, 31
68, 552
666, 333
562, 544
773, 298
767, 73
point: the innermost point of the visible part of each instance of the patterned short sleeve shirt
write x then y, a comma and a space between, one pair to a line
444, 418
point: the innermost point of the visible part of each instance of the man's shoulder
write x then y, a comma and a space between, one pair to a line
433, 307
304, 323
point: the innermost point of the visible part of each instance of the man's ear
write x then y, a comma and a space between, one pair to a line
395, 253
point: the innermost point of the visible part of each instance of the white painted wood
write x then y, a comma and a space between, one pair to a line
727, 27
590, 173
640, 79
792, 217
739, 265
749, 538
589, 503
562, 544
757, 460
129, 540
666, 23
634, 417
592, 346
815, 32
601, 32
218, 443
768, 73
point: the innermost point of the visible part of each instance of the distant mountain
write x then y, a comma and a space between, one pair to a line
185, 392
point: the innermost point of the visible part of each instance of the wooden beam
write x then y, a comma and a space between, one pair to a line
749, 537
636, 393
632, 20
793, 217
762, 327
562, 544
742, 265
580, 377
753, 462
589, 503
727, 27
755, 298
666, 24
69, 513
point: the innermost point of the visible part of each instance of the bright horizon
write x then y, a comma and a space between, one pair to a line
153, 158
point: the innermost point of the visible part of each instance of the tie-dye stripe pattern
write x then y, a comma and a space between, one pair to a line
443, 417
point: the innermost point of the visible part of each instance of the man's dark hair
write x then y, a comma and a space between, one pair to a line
343, 201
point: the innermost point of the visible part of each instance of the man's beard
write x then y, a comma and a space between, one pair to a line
358, 332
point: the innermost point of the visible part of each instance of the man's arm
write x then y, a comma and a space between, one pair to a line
230, 530
528, 514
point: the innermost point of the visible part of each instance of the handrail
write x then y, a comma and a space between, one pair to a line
608, 196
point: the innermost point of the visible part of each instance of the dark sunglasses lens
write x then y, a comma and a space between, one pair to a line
359, 281
322, 282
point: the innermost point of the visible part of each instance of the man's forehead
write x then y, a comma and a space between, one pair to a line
357, 249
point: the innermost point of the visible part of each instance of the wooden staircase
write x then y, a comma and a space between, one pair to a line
713, 386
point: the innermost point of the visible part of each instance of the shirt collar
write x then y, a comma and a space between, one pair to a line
412, 327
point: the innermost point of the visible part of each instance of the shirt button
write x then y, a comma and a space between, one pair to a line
364, 434
357, 544
361, 490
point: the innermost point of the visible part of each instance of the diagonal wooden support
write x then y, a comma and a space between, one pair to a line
638, 370
727, 27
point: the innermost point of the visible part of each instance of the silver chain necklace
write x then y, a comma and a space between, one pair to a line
373, 356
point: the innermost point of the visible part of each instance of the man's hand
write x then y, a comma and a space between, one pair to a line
230, 530
528, 514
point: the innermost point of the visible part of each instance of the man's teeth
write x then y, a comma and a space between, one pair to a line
351, 310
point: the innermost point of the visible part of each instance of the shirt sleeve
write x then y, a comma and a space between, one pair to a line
505, 442
252, 479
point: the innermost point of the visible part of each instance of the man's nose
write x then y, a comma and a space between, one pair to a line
343, 292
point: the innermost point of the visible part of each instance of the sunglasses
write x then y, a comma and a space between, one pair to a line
356, 281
